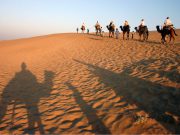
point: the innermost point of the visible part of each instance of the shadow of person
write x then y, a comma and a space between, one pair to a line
98, 126
24, 89
159, 102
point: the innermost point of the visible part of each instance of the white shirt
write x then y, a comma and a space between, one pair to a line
142, 23
168, 22
97, 23
117, 32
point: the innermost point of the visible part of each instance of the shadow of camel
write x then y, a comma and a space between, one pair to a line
95, 38
98, 126
149, 42
159, 102
23, 88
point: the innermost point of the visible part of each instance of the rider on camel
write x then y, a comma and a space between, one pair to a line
112, 24
168, 23
126, 23
83, 25
97, 24
98, 28
142, 24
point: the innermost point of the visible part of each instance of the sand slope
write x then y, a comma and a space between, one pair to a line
84, 84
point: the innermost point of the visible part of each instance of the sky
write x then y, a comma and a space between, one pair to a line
27, 18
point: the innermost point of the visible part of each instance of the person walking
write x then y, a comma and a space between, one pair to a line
77, 30
117, 33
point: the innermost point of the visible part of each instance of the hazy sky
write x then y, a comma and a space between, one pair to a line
26, 18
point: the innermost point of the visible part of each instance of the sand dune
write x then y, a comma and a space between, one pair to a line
86, 84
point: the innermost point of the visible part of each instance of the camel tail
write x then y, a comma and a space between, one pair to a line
175, 33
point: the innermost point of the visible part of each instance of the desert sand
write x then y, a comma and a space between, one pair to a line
86, 84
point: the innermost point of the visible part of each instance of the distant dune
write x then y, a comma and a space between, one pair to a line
86, 84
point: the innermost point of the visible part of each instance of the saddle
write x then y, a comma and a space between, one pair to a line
97, 27
82, 28
168, 27
127, 27
142, 26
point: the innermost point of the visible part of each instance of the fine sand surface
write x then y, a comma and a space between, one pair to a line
86, 84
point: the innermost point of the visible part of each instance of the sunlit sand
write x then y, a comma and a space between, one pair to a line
86, 84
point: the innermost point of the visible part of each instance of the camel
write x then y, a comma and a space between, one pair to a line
143, 31
83, 29
125, 29
111, 29
98, 29
24, 89
164, 32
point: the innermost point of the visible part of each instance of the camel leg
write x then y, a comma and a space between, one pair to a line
173, 40
128, 35
173, 36
144, 37
169, 40
162, 40
139, 37
3, 106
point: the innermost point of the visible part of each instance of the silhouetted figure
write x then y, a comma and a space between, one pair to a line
87, 31
142, 29
83, 28
23, 88
125, 29
98, 28
132, 35
111, 27
77, 30
117, 33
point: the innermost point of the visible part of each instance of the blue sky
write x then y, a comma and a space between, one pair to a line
26, 18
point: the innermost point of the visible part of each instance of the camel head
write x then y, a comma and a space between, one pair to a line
158, 29
107, 27
121, 28
47, 84
136, 29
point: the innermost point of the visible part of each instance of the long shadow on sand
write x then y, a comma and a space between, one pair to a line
97, 125
148, 41
24, 89
95, 38
160, 102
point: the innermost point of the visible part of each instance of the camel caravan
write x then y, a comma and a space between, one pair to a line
167, 31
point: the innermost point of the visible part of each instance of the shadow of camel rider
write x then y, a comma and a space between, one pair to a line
24, 88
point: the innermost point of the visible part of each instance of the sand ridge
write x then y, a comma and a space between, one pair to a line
86, 84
